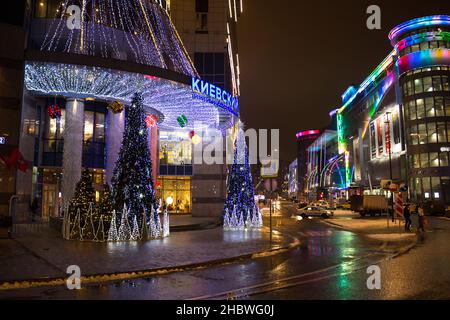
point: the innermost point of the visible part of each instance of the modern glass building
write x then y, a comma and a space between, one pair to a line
82, 57
395, 125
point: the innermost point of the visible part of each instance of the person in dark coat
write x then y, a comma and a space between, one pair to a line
34, 206
407, 215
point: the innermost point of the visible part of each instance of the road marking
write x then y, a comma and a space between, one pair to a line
240, 292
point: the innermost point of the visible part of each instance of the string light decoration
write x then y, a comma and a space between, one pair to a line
164, 98
132, 182
133, 30
84, 219
240, 210
112, 233
124, 233
81, 203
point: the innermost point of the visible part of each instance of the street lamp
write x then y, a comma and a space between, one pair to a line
390, 160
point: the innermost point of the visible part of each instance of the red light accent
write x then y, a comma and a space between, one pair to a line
307, 133
150, 121
150, 77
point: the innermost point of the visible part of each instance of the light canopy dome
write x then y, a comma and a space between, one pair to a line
134, 30
120, 47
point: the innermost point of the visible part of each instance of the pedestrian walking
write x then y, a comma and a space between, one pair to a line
421, 214
34, 206
407, 215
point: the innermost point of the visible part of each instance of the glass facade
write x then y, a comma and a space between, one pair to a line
177, 192
426, 100
175, 153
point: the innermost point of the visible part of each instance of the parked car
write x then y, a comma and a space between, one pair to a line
314, 211
346, 205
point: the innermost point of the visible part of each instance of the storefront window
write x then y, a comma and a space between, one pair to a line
436, 187
426, 186
175, 193
175, 148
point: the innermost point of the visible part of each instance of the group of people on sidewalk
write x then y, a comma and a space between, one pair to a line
419, 210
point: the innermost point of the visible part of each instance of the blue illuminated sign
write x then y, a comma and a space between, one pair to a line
2, 140
214, 94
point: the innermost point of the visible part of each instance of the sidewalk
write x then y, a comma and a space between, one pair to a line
380, 229
45, 255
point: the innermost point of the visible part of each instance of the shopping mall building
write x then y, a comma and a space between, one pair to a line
395, 125
68, 62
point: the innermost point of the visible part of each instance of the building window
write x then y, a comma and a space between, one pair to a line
53, 144
176, 190
201, 9
175, 153
443, 159
420, 108
211, 67
424, 163
94, 140
440, 129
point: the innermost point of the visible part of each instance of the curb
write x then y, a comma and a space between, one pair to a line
110, 277
400, 251
194, 227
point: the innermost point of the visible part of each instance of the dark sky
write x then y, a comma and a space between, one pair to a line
297, 58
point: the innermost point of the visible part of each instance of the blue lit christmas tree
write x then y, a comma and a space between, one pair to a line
240, 211
132, 183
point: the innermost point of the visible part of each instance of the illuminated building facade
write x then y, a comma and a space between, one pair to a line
396, 123
304, 140
325, 168
82, 57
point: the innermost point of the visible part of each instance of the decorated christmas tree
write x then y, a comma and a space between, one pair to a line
79, 207
132, 183
240, 209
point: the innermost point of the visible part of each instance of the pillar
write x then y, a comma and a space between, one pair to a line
114, 135
73, 147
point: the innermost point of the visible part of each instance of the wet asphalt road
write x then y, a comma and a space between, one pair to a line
329, 264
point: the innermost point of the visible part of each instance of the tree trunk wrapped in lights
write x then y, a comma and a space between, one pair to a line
240, 211
132, 183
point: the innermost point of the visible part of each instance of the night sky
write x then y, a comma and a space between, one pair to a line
298, 57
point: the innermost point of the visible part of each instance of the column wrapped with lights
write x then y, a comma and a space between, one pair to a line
132, 183
240, 211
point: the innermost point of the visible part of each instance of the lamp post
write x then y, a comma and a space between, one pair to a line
390, 160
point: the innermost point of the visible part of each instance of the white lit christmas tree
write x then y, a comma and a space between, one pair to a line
240, 211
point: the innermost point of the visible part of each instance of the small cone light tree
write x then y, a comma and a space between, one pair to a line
240, 209
132, 183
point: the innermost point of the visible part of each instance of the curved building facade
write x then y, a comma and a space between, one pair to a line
423, 49
395, 125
